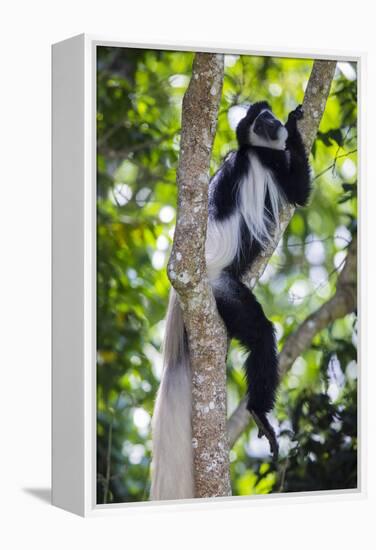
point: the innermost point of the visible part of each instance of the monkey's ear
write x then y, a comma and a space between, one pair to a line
248, 107
242, 131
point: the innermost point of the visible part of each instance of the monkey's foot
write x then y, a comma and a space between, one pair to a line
267, 430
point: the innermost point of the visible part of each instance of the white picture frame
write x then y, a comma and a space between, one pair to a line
74, 276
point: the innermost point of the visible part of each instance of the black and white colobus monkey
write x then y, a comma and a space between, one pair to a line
270, 168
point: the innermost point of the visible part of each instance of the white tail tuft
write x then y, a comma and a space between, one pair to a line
172, 465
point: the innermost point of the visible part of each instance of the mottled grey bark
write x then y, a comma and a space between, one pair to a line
207, 337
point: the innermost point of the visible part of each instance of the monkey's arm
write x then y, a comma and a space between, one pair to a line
290, 167
297, 181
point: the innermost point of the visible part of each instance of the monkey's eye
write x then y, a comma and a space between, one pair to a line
267, 116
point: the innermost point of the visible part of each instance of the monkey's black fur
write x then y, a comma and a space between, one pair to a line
242, 314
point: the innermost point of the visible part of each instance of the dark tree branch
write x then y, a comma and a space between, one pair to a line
123, 153
342, 303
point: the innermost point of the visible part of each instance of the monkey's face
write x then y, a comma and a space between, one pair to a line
266, 125
261, 128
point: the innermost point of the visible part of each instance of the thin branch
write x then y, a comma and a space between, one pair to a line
110, 132
106, 483
303, 299
126, 151
334, 164
342, 303
324, 239
283, 471
108, 477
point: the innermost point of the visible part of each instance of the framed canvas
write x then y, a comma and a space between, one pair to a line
207, 309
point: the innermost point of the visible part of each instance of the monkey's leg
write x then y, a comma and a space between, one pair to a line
245, 320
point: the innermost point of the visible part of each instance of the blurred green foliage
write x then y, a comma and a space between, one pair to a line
139, 96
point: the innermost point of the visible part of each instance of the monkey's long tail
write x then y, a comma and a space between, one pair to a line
172, 460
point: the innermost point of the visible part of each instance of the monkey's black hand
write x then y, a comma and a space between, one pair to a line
297, 113
294, 116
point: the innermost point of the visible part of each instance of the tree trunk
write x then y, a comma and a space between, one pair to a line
207, 337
